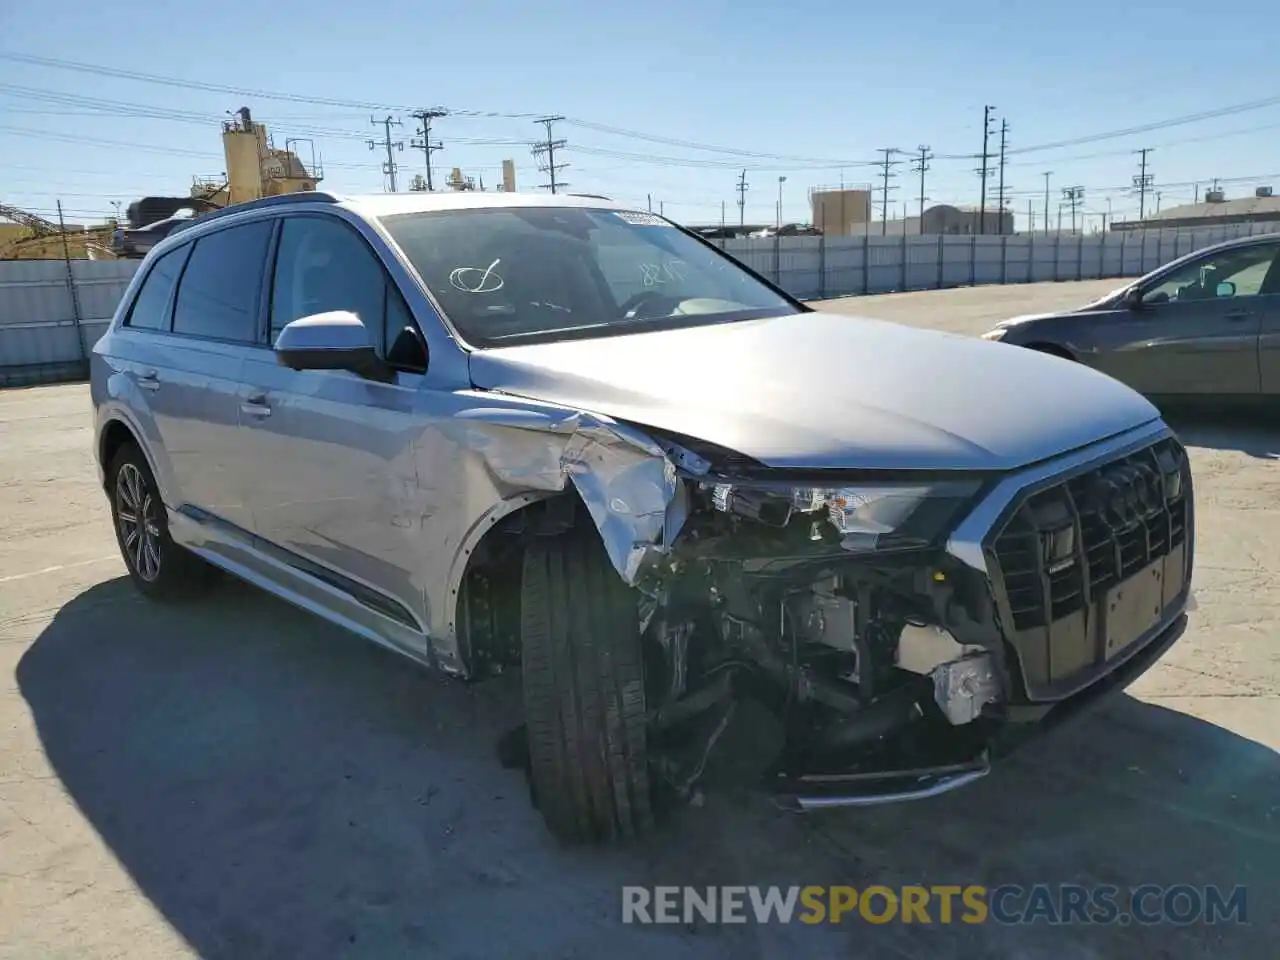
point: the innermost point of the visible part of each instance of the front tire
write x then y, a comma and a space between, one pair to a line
159, 568
584, 695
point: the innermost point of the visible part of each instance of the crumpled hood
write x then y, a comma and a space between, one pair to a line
829, 391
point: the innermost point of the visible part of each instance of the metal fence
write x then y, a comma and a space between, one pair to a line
822, 267
53, 311
51, 314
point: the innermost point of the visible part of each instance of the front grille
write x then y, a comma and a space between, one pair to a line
1066, 546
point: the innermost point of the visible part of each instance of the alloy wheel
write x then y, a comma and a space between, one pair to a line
136, 511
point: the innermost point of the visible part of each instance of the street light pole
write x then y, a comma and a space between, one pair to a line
781, 181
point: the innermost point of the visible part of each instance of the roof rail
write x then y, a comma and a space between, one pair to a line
283, 200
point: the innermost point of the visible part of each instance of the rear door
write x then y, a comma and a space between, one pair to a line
1196, 332
215, 324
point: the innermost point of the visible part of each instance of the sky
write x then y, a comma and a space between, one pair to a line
809, 90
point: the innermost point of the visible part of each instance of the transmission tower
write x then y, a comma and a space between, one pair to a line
1074, 197
1143, 182
545, 155
1003, 197
426, 144
389, 165
743, 187
984, 170
886, 166
920, 164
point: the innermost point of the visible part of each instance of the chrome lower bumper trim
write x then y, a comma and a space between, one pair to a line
873, 789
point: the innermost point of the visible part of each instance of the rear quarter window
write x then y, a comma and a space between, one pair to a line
218, 295
150, 310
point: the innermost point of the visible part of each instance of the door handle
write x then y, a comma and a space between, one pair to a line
256, 406
149, 380
1237, 315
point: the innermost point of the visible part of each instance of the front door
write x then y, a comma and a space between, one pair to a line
1195, 331
335, 484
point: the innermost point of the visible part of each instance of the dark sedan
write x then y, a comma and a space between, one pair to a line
1206, 326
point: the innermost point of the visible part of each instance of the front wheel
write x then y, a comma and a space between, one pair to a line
158, 567
584, 695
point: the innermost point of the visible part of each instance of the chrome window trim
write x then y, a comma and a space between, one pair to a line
966, 541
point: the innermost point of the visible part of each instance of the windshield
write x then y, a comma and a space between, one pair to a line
518, 274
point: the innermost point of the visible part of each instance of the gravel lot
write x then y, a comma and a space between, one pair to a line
237, 779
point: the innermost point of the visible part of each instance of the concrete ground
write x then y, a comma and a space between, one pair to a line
237, 779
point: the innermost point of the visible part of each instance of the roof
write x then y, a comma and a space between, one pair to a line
1242, 207
390, 204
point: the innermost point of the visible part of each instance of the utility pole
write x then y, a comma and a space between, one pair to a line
549, 148
886, 169
1047, 174
919, 165
1142, 182
1004, 133
743, 186
388, 168
1031, 218
1074, 196
426, 144
984, 171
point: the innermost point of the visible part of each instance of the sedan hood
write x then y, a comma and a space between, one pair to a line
829, 391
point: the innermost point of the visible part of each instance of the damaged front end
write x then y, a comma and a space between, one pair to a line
818, 635
810, 631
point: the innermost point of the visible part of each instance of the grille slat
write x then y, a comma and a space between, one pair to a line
1078, 538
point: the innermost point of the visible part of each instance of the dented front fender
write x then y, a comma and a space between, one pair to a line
508, 453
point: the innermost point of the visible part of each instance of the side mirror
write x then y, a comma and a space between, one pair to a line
336, 340
1133, 298
1225, 289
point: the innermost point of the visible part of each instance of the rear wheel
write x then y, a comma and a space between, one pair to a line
584, 696
159, 567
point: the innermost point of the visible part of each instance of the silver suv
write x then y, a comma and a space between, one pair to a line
719, 534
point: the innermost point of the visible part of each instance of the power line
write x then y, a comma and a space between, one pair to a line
1142, 183
1155, 125
920, 164
548, 149
886, 169
389, 167
426, 144
138, 76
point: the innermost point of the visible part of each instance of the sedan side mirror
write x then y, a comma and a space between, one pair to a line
1133, 298
336, 340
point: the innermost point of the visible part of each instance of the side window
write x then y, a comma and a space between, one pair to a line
1233, 273
218, 295
322, 265
150, 307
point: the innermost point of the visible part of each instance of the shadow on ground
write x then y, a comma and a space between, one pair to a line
279, 789
1256, 433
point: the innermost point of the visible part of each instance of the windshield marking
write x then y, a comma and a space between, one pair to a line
488, 282
656, 274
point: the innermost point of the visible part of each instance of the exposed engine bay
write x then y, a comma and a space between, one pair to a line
863, 656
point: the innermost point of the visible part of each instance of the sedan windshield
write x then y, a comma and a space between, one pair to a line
518, 274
